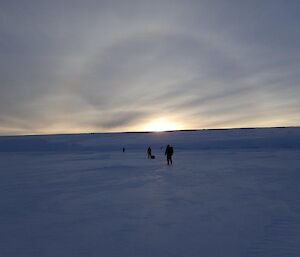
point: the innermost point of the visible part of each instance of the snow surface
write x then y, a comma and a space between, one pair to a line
229, 193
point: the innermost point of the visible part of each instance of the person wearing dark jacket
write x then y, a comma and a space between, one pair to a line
149, 152
169, 152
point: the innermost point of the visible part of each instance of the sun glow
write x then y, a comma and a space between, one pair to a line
160, 125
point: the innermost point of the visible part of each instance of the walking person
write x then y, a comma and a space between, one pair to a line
169, 152
149, 152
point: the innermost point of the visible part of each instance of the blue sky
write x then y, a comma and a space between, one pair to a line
97, 66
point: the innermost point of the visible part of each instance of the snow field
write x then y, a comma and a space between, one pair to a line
209, 203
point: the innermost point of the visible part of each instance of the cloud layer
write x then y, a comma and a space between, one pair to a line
82, 66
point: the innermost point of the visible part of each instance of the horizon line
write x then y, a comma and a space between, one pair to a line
140, 132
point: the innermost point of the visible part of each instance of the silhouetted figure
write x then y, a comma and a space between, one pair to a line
169, 152
123, 149
149, 152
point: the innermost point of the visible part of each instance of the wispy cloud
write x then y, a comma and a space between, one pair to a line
110, 65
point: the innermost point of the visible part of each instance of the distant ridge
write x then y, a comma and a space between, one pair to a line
147, 132
205, 139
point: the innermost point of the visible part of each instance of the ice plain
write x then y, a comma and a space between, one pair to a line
229, 193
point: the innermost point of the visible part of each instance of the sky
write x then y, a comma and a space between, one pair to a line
106, 66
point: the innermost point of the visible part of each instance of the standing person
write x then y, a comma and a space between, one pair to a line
149, 152
123, 149
169, 152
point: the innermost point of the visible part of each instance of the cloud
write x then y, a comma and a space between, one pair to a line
116, 120
111, 65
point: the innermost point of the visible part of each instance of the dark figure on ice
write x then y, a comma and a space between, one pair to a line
149, 152
123, 149
169, 152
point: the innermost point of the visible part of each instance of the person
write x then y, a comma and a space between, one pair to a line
149, 152
123, 149
169, 152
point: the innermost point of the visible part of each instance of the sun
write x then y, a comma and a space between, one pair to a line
160, 125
